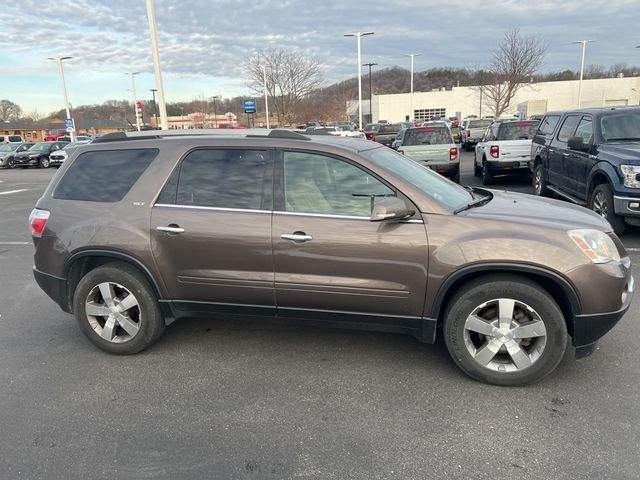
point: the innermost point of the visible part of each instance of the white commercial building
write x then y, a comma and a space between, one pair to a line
531, 100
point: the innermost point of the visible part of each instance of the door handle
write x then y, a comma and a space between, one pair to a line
296, 237
171, 229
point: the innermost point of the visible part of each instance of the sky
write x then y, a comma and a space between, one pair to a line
203, 43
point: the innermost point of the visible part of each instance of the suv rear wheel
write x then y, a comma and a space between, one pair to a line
117, 309
505, 330
487, 178
601, 202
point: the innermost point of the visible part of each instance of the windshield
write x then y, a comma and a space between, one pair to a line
389, 129
433, 185
8, 148
372, 127
39, 147
427, 136
517, 131
479, 123
621, 126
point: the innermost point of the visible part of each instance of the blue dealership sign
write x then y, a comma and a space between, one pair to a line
249, 106
68, 123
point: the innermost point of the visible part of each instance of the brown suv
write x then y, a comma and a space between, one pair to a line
135, 231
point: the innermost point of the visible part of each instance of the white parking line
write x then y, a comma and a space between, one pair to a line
15, 243
14, 191
632, 249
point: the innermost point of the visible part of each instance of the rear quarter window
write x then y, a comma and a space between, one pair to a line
104, 176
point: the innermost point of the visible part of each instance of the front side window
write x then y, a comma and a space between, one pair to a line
319, 184
568, 127
221, 178
585, 130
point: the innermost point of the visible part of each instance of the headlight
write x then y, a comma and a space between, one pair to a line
630, 173
595, 244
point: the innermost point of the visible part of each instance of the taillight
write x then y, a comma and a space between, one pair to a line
468, 133
38, 220
453, 154
494, 151
401, 152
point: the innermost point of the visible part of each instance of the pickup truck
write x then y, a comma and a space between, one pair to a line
433, 147
505, 149
471, 132
592, 158
387, 133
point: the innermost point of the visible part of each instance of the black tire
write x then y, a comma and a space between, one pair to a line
10, 163
477, 171
487, 178
149, 319
601, 202
539, 183
485, 289
44, 162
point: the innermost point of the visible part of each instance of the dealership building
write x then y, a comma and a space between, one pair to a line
534, 99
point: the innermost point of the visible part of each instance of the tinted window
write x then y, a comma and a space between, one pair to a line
568, 127
224, 179
621, 126
585, 130
8, 148
15, 138
388, 129
427, 136
104, 176
325, 185
479, 123
548, 124
517, 131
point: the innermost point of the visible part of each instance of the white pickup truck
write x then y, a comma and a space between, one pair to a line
471, 131
505, 149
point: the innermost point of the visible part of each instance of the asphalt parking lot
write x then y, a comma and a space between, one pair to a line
240, 399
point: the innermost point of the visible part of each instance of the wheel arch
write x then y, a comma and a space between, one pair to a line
559, 287
599, 176
80, 263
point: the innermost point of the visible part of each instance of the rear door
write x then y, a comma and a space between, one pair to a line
577, 164
558, 151
211, 231
331, 262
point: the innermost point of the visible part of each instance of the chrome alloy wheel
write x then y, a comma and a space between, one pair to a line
505, 335
600, 204
538, 181
113, 312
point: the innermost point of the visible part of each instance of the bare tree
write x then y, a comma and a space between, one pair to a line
290, 77
9, 111
515, 62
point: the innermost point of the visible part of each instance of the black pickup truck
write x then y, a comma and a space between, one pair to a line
591, 157
387, 133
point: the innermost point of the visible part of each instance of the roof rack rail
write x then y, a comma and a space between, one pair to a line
248, 133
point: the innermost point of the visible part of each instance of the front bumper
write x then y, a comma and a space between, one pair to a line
21, 161
54, 287
624, 206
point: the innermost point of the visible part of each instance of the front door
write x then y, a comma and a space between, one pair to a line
211, 232
330, 260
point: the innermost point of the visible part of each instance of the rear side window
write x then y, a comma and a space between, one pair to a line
104, 176
517, 131
548, 124
15, 138
232, 178
568, 127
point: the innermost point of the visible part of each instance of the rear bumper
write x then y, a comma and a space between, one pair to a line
448, 169
623, 206
518, 167
54, 287
588, 328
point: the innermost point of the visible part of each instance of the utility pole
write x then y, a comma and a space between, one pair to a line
412, 56
370, 89
215, 110
72, 133
156, 64
155, 106
358, 35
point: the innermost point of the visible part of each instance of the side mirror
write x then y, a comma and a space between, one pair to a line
390, 209
577, 143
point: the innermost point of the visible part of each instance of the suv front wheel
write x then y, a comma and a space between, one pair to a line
117, 309
505, 330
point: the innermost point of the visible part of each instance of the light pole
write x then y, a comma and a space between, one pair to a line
72, 133
358, 35
584, 48
215, 110
135, 99
370, 90
412, 56
155, 105
266, 97
156, 64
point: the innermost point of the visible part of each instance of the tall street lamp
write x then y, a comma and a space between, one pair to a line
370, 90
358, 35
135, 98
412, 56
151, 16
72, 133
584, 48
266, 97
215, 110
155, 106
